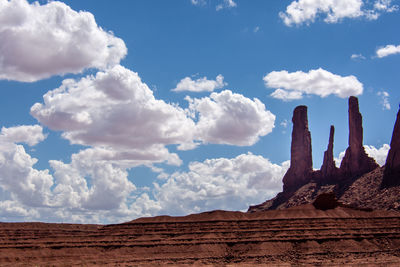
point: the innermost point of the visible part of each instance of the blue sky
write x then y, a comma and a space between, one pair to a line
112, 111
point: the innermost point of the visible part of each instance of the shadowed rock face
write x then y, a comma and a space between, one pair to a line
328, 168
391, 175
355, 162
300, 171
302, 185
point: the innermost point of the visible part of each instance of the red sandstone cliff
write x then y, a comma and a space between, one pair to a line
355, 162
359, 181
300, 170
391, 175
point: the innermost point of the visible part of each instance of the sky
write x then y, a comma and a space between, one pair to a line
114, 110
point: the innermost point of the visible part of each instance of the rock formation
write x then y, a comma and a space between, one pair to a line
355, 162
300, 171
329, 171
326, 201
391, 176
302, 185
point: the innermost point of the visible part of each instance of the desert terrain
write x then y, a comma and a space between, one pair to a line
297, 236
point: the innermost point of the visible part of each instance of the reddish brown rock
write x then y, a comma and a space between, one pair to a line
355, 162
300, 171
329, 171
326, 201
391, 175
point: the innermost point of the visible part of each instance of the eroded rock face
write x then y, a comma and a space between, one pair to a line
328, 169
355, 162
391, 176
326, 201
300, 171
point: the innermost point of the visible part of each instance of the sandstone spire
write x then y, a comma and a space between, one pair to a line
391, 176
328, 168
300, 171
356, 162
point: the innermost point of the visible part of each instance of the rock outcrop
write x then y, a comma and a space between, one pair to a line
329, 171
326, 201
391, 176
300, 170
355, 162
302, 185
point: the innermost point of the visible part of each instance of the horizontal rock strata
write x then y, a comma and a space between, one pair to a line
301, 236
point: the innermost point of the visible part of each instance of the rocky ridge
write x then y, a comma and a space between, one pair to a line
299, 236
359, 182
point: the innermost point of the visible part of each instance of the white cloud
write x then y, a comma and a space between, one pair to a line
357, 57
109, 189
317, 82
200, 85
388, 50
226, 4
284, 123
385, 5
38, 41
256, 29
13, 210
339, 159
379, 154
198, 2
29, 134
384, 100
228, 118
116, 111
286, 95
26, 184
333, 11
229, 184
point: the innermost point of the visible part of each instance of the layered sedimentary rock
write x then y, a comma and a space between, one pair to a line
391, 175
328, 169
355, 162
301, 236
300, 171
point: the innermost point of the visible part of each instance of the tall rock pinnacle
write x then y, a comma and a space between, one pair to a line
356, 162
300, 171
391, 176
328, 168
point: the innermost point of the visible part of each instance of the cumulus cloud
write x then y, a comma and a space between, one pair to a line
109, 189
286, 95
384, 100
29, 134
38, 41
26, 184
388, 50
333, 11
117, 111
34, 194
316, 82
200, 85
379, 154
229, 118
230, 184
226, 4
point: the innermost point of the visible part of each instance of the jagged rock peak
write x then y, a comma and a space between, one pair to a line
356, 162
328, 168
300, 170
391, 176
